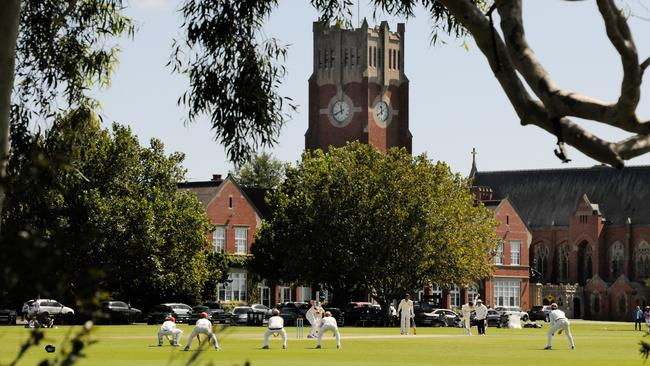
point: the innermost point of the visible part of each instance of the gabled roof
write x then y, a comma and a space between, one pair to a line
550, 196
204, 191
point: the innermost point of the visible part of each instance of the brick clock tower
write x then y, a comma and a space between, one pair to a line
358, 90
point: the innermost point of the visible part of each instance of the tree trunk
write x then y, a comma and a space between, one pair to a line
9, 23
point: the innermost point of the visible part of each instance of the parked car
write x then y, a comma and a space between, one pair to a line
260, 308
352, 311
513, 310
216, 313
159, 313
493, 318
118, 312
8, 316
446, 318
46, 308
239, 315
289, 312
424, 315
338, 315
539, 312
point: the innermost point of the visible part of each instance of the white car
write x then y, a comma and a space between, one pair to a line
513, 310
47, 307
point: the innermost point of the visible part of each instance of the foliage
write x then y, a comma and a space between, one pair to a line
261, 171
89, 210
358, 219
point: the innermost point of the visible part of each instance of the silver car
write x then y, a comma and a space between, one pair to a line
47, 307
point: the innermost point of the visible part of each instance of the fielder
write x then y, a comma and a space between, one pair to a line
559, 323
168, 328
314, 316
467, 315
276, 326
203, 326
405, 309
329, 323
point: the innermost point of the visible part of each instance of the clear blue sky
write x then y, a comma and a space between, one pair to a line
456, 104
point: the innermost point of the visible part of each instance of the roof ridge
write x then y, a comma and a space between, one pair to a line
594, 167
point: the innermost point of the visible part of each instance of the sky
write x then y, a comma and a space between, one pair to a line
456, 103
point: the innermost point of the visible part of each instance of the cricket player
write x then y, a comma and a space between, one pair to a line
405, 309
481, 314
467, 314
559, 323
168, 328
329, 323
203, 326
314, 316
276, 326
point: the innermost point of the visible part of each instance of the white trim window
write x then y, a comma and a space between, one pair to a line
515, 252
472, 291
506, 292
455, 297
304, 294
234, 289
285, 294
219, 239
241, 240
498, 256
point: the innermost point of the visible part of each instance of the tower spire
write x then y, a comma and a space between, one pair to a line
472, 172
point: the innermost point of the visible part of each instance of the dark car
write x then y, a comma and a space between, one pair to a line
289, 311
539, 313
446, 318
352, 311
216, 313
8, 316
493, 318
118, 312
424, 315
159, 313
239, 315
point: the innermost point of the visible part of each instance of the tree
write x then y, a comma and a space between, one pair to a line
89, 210
50, 52
358, 219
262, 171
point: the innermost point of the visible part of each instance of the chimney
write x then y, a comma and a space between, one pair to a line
216, 178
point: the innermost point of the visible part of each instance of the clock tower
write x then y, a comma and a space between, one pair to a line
358, 89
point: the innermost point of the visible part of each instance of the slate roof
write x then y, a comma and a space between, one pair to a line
205, 191
550, 196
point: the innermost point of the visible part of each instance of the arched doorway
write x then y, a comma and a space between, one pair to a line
584, 263
576, 308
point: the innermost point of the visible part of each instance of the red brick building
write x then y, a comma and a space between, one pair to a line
590, 229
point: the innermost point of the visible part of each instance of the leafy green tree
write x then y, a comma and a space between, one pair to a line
92, 210
358, 219
262, 171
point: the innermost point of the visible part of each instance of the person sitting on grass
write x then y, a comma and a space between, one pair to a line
203, 326
276, 326
168, 328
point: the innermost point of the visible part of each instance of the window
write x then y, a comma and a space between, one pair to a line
229, 202
241, 240
506, 292
234, 289
642, 261
320, 60
326, 59
515, 252
265, 295
284, 293
304, 294
471, 294
498, 256
399, 61
345, 57
616, 259
540, 262
219, 239
455, 297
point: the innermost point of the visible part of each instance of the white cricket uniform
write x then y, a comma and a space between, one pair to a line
168, 328
203, 326
467, 314
329, 323
405, 309
276, 325
559, 321
314, 316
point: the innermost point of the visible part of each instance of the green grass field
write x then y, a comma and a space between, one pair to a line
596, 344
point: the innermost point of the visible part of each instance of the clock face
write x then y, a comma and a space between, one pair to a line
381, 111
340, 111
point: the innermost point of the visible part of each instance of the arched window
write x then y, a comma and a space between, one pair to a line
541, 261
622, 304
564, 261
616, 254
642, 260
595, 303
